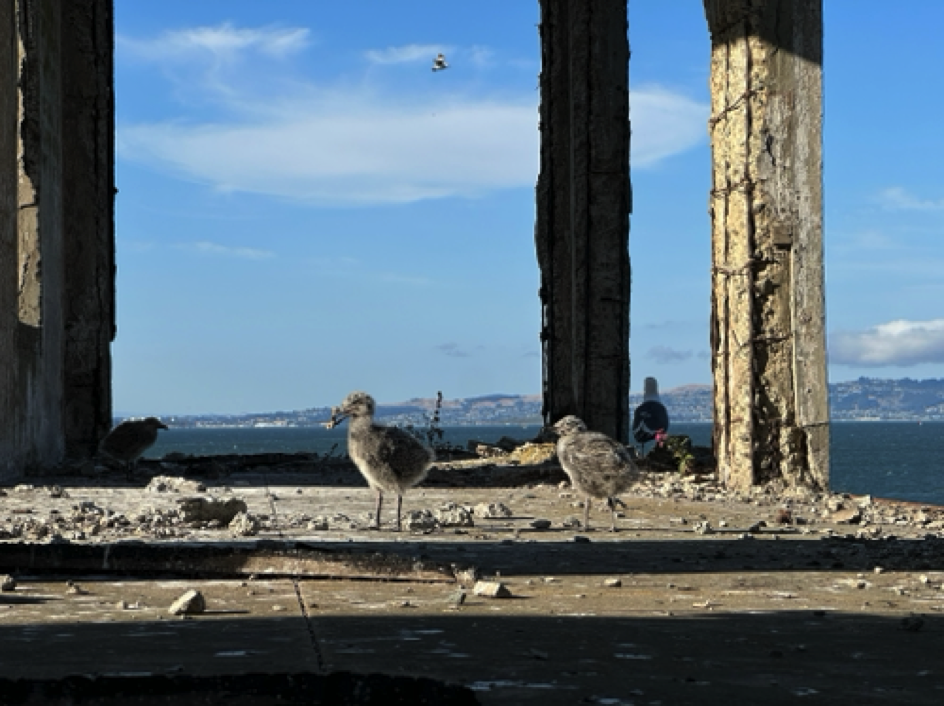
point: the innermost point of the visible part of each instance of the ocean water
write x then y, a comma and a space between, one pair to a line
903, 460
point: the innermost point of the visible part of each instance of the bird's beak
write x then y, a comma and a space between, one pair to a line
337, 416
162, 426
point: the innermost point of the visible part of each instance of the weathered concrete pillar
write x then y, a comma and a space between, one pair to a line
88, 210
768, 311
9, 108
583, 205
57, 264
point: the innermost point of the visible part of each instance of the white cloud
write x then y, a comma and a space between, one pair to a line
406, 54
896, 343
664, 123
209, 248
351, 146
223, 41
897, 198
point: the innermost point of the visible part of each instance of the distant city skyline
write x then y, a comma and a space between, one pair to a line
306, 208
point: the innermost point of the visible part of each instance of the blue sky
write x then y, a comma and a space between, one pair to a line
305, 208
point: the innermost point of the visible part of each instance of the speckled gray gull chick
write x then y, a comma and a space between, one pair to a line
598, 466
390, 459
128, 440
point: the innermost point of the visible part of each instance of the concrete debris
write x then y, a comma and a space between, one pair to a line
74, 589
612, 583
319, 524
190, 603
847, 516
453, 515
703, 528
23, 488
173, 484
420, 520
491, 589
7, 583
540, 524
487, 450
244, 525
208, 509
534, 454
492, 510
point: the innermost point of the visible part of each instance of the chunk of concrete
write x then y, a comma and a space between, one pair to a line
208, 509
190, 603
491, 589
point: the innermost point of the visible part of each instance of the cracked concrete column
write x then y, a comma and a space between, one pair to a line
583, 206
768, 309
57, 264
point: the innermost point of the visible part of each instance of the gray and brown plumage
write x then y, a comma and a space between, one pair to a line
598, 466
128, 440
390, 459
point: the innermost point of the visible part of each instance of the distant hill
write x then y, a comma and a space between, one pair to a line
857, 400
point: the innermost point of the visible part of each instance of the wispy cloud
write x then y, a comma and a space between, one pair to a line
221, 42
664, 124
897, 198
406, 53
227, 251
665, 354
353, 145
452, 350
896, 343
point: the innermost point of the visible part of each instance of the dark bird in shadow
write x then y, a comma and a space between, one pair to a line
598, 466
390, 459
128, 440
650, 420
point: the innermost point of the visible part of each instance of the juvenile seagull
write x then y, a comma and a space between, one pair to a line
598, 466
127, 441
389, 458
439, 63
650, 420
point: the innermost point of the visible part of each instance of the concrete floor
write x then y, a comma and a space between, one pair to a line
774, 616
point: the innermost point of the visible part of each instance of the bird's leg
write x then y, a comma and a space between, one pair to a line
586, 514
612, 503
380, 499
399, 506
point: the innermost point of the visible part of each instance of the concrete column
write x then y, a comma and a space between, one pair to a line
56, 230
88, 210
768, 310
9, 108
583, 206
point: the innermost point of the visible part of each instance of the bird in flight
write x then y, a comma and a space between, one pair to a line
439, 63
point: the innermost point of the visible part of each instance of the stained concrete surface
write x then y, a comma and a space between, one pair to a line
807, 613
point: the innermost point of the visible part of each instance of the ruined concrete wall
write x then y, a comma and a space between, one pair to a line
768, 310
583, 205
57, 314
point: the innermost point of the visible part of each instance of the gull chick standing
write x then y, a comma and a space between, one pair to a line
598, 466
389, 458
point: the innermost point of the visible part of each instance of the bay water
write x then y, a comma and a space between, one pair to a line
903, 460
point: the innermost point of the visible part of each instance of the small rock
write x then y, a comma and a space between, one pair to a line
190, 603
612, 583
244, 525
848, 516
757, 527
540, 524
319, 524
420, 520
580, 539
208, 509
74, 589
457, 598
23, 488
7, 583
492, 510
703, 528
491, 589
452, 515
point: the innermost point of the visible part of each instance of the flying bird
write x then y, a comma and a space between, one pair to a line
598, 466
439, 63
128, 440
390, 459
650, 420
